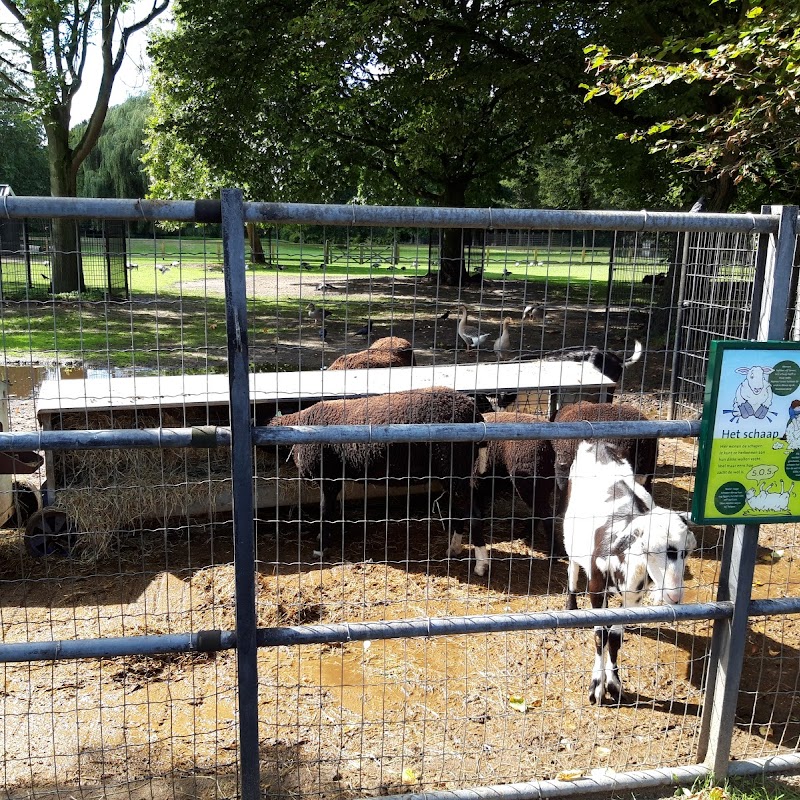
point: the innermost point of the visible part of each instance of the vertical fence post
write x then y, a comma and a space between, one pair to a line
727, 649
778, 276
741, 541
242, 485
679, 281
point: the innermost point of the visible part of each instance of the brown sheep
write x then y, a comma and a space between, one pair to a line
641, 454
396, 344
451, 462
391, 351
526, 466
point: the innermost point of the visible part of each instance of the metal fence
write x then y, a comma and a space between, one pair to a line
166, 622
26, 250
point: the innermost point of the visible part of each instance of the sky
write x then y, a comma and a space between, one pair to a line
132, 78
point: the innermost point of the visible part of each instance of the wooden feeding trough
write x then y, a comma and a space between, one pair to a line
203, 400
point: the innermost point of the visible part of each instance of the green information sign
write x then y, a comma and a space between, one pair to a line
749, 460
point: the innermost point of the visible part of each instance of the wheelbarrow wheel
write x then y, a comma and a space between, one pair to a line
50, 532
26, 504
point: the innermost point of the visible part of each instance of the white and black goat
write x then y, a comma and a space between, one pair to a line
624, 543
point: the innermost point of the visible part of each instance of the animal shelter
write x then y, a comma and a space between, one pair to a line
311, 525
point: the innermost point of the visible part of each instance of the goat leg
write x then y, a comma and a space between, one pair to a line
476, 537
573, 572
613, 685
597, 688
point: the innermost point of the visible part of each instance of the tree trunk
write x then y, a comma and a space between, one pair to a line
66, 266
452, 270
254, 240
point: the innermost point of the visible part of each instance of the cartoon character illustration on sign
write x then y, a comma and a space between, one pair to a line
791, 436
792, 433
768, 500
753, 396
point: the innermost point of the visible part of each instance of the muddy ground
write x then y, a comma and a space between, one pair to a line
379, 717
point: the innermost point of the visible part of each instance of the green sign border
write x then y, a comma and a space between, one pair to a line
710, 403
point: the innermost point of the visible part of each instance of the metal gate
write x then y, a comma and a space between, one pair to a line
394, 669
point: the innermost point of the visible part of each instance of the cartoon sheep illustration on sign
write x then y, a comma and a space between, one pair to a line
753, 396
767, 500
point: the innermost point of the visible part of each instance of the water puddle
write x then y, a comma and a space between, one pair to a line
359, 678
24, 381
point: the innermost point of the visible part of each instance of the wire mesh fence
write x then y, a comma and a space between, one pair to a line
138, 541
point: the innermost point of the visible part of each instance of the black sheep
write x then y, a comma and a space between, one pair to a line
526, 466
612, 363
451, 462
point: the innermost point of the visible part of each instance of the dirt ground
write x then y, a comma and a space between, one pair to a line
367, 718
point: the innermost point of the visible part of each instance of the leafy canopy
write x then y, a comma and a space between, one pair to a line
390, 100
751, 129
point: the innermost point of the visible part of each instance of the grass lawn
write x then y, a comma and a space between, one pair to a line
175, 320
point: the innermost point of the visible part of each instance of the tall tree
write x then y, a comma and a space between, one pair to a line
41, 70
23, 159
114, 167
406, 100
747, 68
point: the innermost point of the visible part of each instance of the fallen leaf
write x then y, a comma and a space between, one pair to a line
569, 775
765, 730
518, 703
603, 751
409, 777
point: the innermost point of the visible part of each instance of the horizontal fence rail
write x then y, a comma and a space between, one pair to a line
401, 216
220, 436
295, 636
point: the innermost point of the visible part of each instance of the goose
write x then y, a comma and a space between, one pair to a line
470, 335
317, 313
534, 313
502, 345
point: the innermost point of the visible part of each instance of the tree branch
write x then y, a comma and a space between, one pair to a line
111, 66
12, 7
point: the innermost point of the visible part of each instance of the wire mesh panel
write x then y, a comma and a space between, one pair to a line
135, 541
27, 254
715, 303
130, 541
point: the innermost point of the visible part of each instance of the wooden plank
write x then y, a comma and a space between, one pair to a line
99, 394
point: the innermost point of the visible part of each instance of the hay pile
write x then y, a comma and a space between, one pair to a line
107, 491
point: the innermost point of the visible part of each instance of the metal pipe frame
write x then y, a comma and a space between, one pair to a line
242, 492
301, 635
211, 436
383, 216
602, 782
